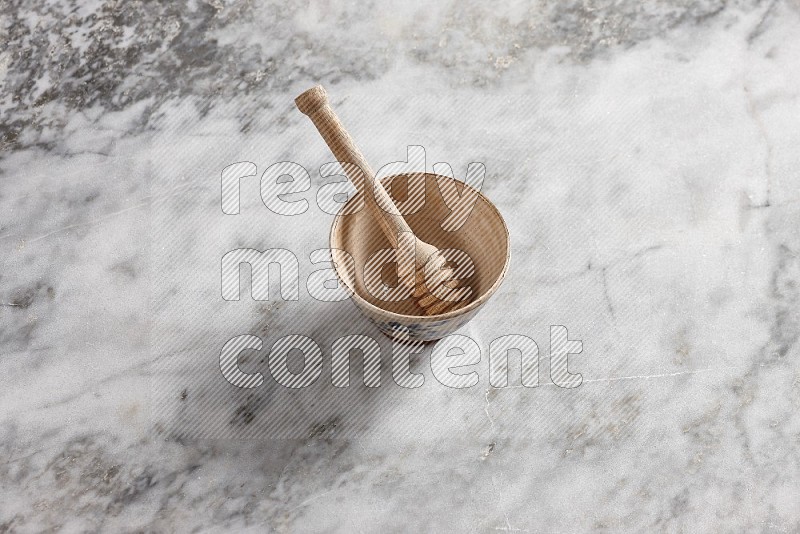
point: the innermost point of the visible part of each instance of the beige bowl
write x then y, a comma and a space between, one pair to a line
484, 237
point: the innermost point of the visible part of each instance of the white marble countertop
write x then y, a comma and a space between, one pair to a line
645, 158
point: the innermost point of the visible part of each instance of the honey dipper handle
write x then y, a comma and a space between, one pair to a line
314, 103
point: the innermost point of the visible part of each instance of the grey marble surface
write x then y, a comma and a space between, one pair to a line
645, 158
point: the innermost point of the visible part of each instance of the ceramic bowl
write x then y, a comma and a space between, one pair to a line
484, 237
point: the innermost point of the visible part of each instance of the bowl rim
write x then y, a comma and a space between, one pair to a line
475, 304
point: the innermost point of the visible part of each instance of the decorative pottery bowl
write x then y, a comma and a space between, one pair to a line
483, 236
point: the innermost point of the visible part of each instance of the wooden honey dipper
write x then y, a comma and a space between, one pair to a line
315, 104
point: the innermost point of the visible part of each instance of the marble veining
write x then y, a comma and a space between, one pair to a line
644, 156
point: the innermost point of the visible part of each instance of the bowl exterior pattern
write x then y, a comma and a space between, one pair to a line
413, 329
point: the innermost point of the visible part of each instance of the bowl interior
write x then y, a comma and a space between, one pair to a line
484, 237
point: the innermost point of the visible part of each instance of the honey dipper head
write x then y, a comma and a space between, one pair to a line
440, 292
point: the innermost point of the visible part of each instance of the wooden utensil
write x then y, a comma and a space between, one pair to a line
430, 270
